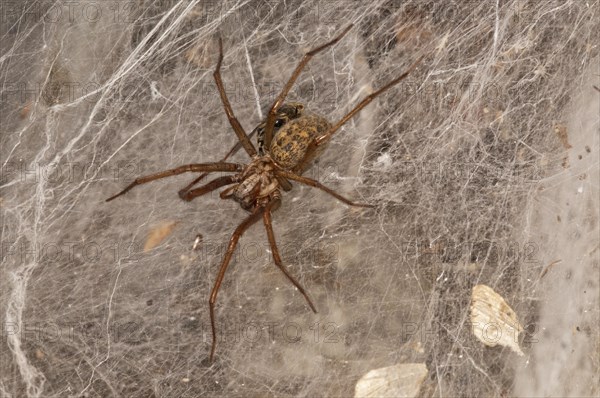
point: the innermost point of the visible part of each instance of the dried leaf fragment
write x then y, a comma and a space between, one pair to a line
493, 322
563, 136
39, 354
402, 380
25, 110
158, 234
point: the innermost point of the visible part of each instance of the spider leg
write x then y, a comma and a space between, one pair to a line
209, 187
285, 184
270, 123
239, 231
232, 151
277, 258
366, 101
197, 167
317, 184
235, 124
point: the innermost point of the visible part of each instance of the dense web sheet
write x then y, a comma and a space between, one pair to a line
483, 165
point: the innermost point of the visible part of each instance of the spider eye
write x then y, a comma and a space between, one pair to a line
279, 122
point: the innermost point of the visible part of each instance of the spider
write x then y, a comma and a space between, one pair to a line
287, 141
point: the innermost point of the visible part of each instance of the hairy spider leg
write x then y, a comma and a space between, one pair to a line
270, 124
277, 258
233, 150
366, 101
317, 184
193, 168
235, 124
208, 187
239, 231
285, 184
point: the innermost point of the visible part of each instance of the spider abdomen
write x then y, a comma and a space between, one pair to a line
290, 143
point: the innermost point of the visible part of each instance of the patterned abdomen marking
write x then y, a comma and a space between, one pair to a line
291, 141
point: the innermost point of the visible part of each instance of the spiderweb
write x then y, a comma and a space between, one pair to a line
483, 165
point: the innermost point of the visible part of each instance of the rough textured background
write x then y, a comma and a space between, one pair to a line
483, 165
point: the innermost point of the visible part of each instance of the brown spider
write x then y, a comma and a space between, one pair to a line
288, 140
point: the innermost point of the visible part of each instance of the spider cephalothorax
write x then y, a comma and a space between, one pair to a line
257, 185
287, 140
